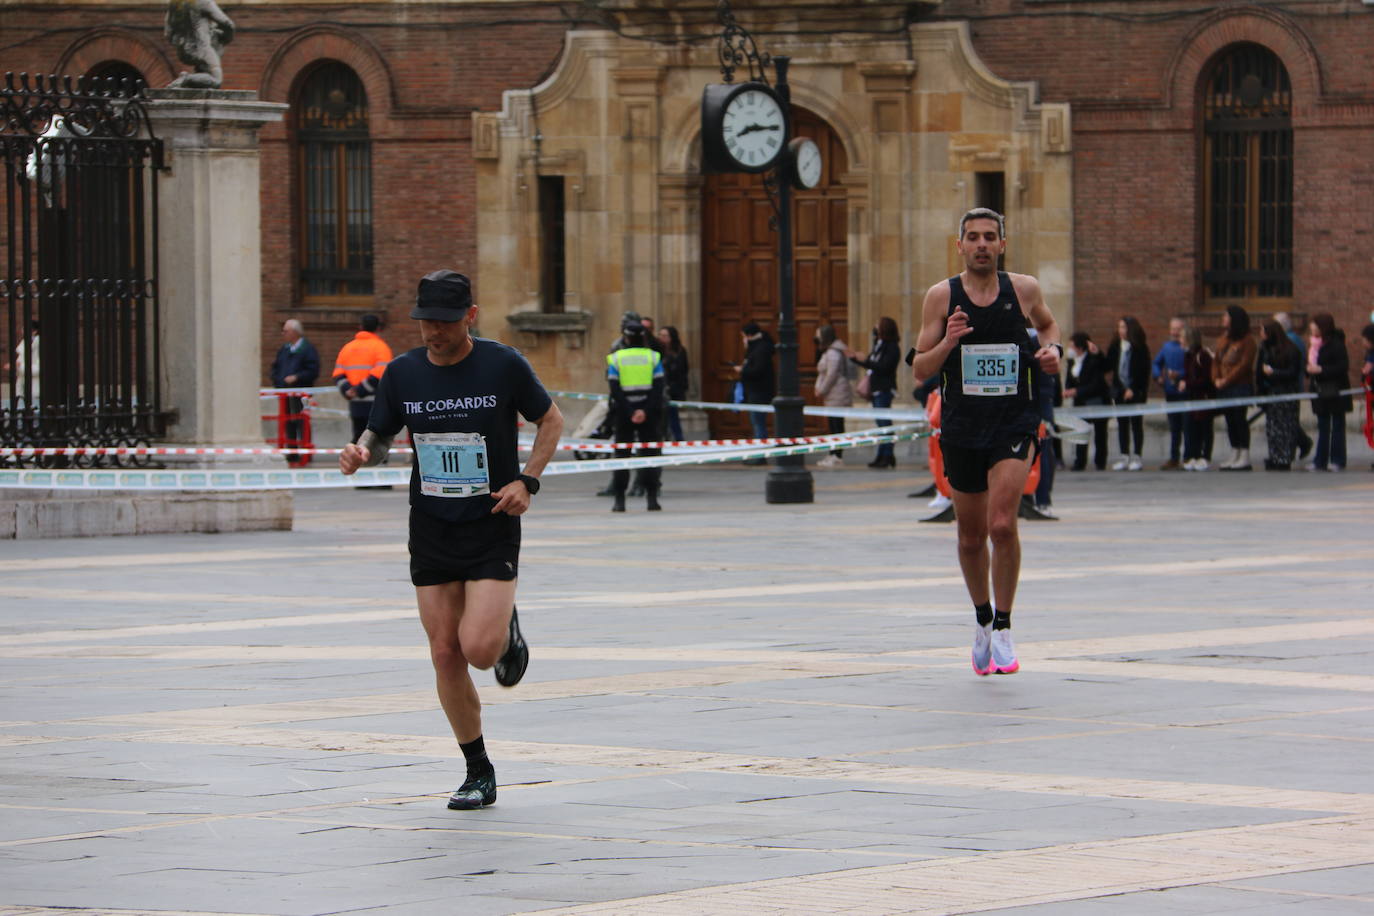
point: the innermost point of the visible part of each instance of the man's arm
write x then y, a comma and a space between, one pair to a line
938, 336
1042, 319
514, 498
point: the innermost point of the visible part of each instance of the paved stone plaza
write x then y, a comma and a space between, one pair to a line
731, 708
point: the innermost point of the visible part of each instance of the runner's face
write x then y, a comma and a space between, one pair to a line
980, 245
446, 340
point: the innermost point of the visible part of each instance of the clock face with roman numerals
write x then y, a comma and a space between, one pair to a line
753, 129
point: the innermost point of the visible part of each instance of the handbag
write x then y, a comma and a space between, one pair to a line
865, 389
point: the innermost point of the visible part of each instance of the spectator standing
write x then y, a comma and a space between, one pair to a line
1086, 386
358, 370
675, 368
1305, 442
296, 365
1197, 385
1128, 360
1233, 371
757, 377
1280, 373
1328, 369
1167, 369
881, 364
832, 385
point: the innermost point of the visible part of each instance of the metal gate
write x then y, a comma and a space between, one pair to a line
78, 302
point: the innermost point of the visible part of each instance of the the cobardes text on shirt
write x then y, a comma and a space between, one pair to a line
483, 400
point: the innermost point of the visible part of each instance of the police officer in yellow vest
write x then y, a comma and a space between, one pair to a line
635, 373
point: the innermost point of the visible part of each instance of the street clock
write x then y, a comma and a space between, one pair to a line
743, 128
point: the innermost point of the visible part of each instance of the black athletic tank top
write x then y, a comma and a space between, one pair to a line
983, 420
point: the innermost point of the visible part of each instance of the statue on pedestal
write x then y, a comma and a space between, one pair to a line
198, 30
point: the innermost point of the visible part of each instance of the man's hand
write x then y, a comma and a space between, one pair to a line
638, 417
1048, 358
957, 326
290, 380
512, 499
350, 393
353, 457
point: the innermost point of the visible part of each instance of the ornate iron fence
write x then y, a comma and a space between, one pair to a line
78, 299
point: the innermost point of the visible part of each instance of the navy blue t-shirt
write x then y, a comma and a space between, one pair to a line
481, 394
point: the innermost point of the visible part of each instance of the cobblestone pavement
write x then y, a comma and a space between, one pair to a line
731, 708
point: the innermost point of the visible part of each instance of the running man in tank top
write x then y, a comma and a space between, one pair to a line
973, 333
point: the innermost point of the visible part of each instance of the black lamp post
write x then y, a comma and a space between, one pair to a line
788, 480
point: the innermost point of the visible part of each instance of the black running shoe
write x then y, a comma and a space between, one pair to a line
510, 667
475, 792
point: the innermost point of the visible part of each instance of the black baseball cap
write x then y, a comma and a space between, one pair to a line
444, 295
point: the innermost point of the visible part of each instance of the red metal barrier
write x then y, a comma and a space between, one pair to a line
285, 417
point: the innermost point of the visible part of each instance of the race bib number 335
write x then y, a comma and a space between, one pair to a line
990, 369
452, 465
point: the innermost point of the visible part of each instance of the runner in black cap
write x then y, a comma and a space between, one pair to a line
459, 396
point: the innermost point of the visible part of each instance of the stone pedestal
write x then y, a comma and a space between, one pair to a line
209, 259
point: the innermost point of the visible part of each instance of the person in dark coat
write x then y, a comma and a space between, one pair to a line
1328, 372
1197, 385
676, 368
1128, 365
1086, 385
757, 376
881, 364
1280, 366
296, 365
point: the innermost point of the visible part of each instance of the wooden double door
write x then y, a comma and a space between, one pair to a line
740, 265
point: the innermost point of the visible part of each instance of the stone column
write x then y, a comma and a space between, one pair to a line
209, 261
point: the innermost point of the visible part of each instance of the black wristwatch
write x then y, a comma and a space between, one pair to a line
531, 483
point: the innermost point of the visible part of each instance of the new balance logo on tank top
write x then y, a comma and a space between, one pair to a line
987, 387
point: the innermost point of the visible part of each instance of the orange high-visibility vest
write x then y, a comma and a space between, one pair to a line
366, 354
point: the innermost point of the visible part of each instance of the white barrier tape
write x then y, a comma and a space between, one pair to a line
169, 480
868, 437
912, 415
1107, 411
162, 480
579, 445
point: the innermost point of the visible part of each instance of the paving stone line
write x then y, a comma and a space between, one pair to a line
1075, 871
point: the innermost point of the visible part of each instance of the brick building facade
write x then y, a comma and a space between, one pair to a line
1084, 120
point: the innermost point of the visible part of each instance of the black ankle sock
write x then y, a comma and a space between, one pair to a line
475, 753
1001, 620
984, 613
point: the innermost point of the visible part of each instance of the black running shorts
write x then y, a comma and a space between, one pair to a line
967, 468
441, 551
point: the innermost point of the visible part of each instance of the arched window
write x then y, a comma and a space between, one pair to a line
334, 209
1248, 178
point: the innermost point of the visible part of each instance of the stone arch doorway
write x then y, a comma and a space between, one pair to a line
740, 269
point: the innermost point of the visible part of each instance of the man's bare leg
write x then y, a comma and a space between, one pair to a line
1006, 481
971, 519
466, 623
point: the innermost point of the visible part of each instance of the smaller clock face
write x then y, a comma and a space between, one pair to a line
753, 128
806, 159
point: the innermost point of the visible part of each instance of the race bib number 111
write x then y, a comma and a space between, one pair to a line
452, 465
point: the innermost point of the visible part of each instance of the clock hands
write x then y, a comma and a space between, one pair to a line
755, 127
